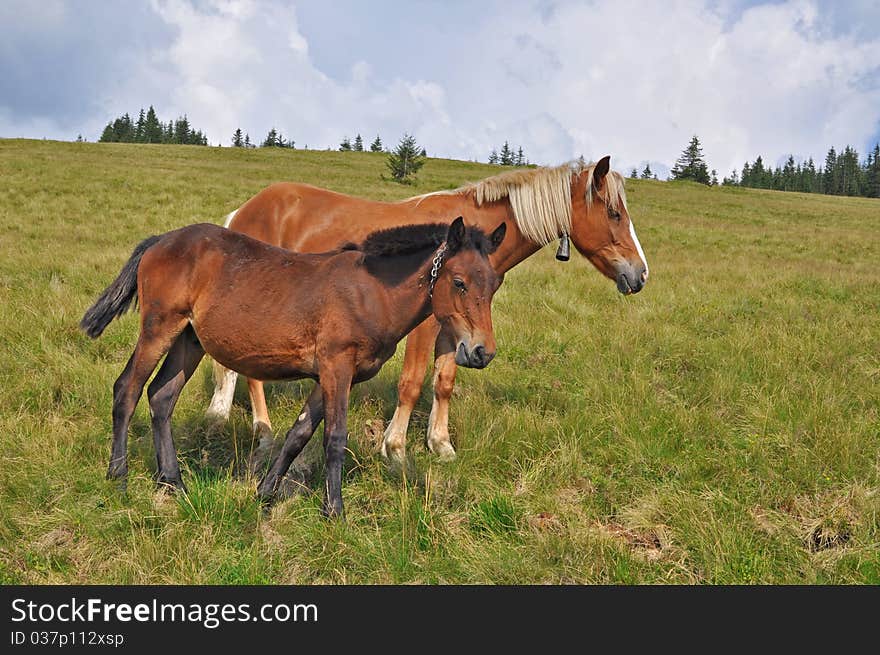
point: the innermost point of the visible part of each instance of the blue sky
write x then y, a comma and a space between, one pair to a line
632, 79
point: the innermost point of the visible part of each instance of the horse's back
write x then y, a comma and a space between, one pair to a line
306, 218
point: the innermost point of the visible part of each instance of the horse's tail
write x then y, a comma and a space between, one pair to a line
117, 298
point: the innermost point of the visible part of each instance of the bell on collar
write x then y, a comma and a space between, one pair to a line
563, 253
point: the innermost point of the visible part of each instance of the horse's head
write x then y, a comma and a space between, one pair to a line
463, 288
601, 229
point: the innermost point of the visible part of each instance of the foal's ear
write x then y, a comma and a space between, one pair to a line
455, 235
600, 171
497, 237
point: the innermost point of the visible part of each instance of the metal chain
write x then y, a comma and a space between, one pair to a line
435, 268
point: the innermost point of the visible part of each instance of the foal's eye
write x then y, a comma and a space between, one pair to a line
459, 284
614, 214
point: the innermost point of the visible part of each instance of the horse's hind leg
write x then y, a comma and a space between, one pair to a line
297, 437
184, 356
152, 343
224, 391
262, 424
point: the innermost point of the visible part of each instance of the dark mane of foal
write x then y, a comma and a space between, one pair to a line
392, 255
413, 239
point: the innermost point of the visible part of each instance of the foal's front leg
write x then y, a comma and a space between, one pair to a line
336, 387
297, 437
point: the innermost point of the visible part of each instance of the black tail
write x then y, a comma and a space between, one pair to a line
116, 298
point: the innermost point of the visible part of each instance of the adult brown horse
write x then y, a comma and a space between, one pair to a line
272, 314
539, 205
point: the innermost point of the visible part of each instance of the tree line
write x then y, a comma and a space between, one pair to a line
843, 174
149, 129
507, 157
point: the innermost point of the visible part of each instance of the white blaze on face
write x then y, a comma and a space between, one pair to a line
632, 233
229, 218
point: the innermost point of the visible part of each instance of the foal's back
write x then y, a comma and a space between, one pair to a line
255, 308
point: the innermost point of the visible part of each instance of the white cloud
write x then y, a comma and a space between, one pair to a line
632, 79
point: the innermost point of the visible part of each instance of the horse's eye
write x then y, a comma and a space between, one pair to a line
613, 213
459, 284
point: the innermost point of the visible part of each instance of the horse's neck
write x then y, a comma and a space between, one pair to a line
515, 247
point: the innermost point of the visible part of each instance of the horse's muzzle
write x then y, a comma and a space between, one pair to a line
479, 357
630, 279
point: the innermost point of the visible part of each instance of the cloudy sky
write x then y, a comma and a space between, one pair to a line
634, 79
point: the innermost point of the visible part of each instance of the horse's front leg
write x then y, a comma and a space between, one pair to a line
336, 387
415, 361
445, 368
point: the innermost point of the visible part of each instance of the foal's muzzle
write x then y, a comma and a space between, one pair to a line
479, 357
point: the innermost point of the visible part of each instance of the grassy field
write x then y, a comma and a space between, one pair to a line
720, 427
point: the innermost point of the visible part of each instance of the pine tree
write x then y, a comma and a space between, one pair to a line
107, 134
746, 177
247, 141
829, 179
153, 132
271, 139
493, 156
376, 145
647, 174
345, 145
520, 157
634, 174
691, 165
140, 127
237, 141
714, 179
358, 144
506, 158
759, 175
872, 182
405, 160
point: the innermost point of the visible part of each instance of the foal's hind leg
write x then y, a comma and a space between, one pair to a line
184, 356
297, 437
155, 338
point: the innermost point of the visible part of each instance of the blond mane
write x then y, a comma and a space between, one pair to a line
541, 197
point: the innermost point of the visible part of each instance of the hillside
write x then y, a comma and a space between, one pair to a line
720, 427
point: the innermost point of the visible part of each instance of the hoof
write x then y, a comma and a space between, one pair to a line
266, 491
393, 455
443, 449
263, 432
216, 420
170, 485
333, 511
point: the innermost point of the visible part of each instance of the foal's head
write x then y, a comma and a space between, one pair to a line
463, 288
601, 229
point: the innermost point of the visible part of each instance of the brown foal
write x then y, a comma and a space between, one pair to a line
272, 314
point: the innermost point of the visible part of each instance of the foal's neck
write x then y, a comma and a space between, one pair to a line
411, 295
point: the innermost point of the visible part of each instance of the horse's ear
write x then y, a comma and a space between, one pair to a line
601, 170
455, 235
497, 237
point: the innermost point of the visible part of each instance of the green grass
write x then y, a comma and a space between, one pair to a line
720, 427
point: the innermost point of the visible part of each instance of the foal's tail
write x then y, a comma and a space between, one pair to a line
116, 298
